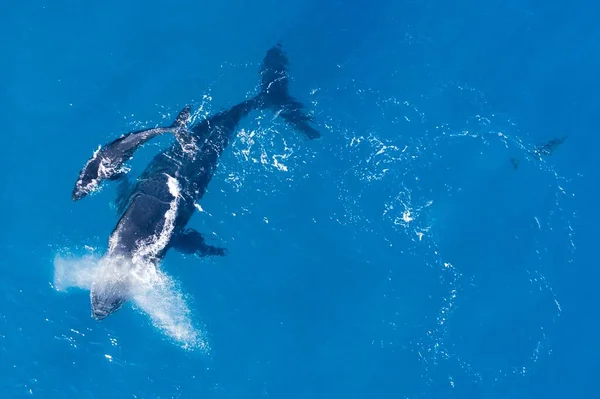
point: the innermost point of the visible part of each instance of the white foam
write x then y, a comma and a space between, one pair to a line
75, 272
151, 291
187, 142
157, 295
158, 243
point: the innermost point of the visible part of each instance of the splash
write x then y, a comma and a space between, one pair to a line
152, 292
71, 272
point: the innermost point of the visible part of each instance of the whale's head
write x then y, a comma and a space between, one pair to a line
82, 189
87, 182
108, 296
96, 169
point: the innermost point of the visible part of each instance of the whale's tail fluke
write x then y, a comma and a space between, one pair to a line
275, 93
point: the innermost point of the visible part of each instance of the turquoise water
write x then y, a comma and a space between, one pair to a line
400, 255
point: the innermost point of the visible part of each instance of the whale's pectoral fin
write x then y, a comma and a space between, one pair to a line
192, 242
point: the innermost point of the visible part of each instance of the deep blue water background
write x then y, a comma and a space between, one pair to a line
335, 296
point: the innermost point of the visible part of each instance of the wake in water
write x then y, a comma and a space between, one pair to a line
477, 232
149, 289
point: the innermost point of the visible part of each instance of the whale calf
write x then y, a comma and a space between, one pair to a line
106, 163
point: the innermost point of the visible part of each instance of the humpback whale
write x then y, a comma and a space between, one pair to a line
156, 208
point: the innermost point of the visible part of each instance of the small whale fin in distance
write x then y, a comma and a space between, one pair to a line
275, 93
549, 147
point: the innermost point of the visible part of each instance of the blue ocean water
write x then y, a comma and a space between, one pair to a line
400, 255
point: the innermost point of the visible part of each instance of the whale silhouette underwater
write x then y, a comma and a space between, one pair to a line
155, 208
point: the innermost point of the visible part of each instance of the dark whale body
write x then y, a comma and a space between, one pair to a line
156, 209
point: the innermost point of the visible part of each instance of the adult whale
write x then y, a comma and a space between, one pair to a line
156, 209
